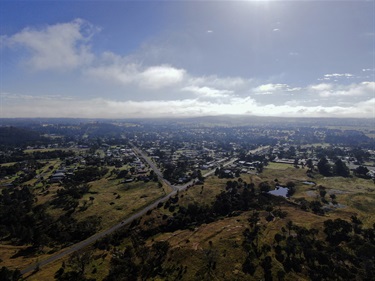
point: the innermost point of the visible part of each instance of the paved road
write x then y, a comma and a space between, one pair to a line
80, 245
259, 150
153, 166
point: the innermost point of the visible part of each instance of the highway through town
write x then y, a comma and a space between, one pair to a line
80, 245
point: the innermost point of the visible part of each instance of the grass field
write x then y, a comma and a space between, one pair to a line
114, 201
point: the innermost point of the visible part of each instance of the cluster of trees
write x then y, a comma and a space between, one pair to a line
339, 168
25, 171
348, 138
75, 268
175, 172
87, 174
362, 172
238, 196
347, 248
15, 136
49, 154
16, 214
24, 222
17, 155
139, 261
68, 197
9, 275
257, 253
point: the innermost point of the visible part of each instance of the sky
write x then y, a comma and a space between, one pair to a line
137, 59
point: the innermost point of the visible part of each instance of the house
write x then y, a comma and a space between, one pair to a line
57, 177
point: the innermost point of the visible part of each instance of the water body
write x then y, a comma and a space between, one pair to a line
309, 182
280, 191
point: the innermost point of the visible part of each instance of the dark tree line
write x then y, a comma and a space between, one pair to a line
137, 261
339, 168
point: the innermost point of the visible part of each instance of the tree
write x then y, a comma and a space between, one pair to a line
296, 162
324, 167
291, 188
337, 231
361, 172
310, 164
267, 268
281, 275
248, 266
340, 169
264, 187
322, 193
199, 176
316, 207
290, 226
260, 168
11, 275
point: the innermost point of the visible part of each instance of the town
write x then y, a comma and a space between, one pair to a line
182, 151
67, 181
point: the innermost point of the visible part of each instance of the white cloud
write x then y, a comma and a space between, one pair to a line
60, 46
321, 87
213, 81
332, 90
123, 72
339, 75
156, 77
104, 108
207, 92
268, 89
335, 76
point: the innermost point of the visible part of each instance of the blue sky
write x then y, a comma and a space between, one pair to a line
119, 59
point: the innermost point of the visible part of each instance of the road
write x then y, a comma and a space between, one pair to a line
80, 245
260, 150
153, 167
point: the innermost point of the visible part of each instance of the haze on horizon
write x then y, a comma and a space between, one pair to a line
127, 59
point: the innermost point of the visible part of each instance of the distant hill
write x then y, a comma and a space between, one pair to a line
18, 136
219, 120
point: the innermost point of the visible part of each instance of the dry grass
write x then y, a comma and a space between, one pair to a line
13, 259
97, 269
224, 237
356, 196
6, 253
45, 273
203, 194
114, 201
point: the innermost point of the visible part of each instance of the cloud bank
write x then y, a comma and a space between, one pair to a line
168, 91
60, 46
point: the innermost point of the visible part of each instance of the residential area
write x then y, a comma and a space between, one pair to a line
65, 185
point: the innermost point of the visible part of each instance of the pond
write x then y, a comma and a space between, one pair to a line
279, 191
